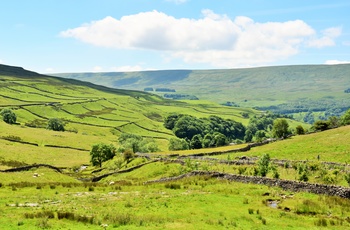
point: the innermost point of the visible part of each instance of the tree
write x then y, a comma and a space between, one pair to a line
136, 143
334, 122
263, 165
321, 125
299, 130
188, 126
55, 124
196, 142
101, 152
345, 119
220, 139
208, 141
178, 144
280, 128
171, 120
8, 116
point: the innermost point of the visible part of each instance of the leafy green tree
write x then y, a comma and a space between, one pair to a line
196, 142
171, 120
280, 128
188, 126
8, 116
208, 141
345, 119
334, 122
260, 135
55, 124
321, 125
299, 130
178, 144
263, 165
136, 143
249, 134
100, 153
220, 140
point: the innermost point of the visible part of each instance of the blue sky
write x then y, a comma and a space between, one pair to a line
55, 36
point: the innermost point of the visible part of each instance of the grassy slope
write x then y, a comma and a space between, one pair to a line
210, 203
251, 87
92, 114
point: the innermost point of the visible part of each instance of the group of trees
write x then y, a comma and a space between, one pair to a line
10, 117
266, 125
332, 122
197, 133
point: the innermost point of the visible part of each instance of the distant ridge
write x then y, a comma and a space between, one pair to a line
295, 90
16, 71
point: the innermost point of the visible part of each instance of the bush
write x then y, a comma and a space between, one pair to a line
101, 152
263, 165
8, 116
55, 124
128, 155
299, 130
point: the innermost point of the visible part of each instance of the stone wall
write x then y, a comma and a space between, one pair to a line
294, 186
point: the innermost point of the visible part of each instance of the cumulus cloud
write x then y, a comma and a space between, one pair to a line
336, 62
327, 39
214, 39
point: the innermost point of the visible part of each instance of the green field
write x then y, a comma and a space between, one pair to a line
294, 90
69, 193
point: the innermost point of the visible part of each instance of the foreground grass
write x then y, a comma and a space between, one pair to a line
192, 203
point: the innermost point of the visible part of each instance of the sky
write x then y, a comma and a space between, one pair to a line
60, 36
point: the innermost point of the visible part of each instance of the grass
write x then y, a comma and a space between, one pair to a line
158, 206
41, 198
251, 87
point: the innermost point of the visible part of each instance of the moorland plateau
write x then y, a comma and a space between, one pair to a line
49, 181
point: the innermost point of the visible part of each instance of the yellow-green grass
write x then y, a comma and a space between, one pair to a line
44, 137
198, 203
12, 151
36, 175
331, 145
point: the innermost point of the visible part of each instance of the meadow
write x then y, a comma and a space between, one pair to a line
125, 194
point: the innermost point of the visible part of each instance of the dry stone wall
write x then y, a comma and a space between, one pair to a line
294, 186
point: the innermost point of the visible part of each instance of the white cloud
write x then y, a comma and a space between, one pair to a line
213, 39
1, 62
336, 62
327, 39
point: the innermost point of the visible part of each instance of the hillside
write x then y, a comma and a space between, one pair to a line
92, 112
295, 90
47, 180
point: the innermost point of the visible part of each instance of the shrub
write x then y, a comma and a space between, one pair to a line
8, 116
299, 130
101, 152
128, 155
55, 124
263, 165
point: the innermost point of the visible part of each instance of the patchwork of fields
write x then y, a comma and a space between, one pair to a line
47, 181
